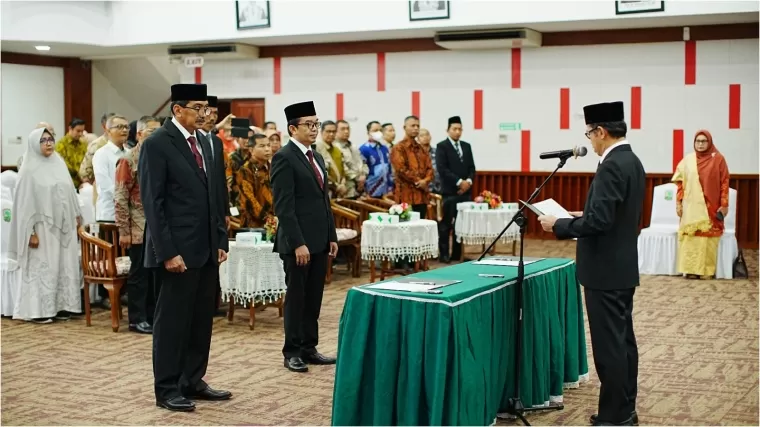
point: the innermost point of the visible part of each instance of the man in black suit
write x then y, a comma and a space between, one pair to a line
305, 235
219, 178
185, 240
456, 168
607, 232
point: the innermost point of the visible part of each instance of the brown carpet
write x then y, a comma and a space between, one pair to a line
698, 344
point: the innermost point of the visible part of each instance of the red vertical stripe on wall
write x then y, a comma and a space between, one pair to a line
198, 75
677, 147
516, 67
734, 106
564, 108
525, 151
416, 104
277, 75
381, 72
478, 109
636, 107
339, 106
690, 61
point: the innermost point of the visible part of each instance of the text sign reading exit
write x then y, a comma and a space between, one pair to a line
194, 61
510, 126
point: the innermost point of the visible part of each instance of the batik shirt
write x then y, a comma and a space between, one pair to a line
254, 194
73, 153
379, 177
411, 163
129, 212
235, 161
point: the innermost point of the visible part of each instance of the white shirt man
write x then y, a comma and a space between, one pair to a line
104, 167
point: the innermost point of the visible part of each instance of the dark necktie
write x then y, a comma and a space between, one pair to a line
194, 148
459, 152
310, 155
210, 144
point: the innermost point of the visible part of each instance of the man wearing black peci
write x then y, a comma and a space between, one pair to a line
607, 257
219, 178
185, 240
305, 235
456, 168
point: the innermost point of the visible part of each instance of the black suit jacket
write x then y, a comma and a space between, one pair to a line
451, 168
607, 233
181, 212
220, 179
302, 208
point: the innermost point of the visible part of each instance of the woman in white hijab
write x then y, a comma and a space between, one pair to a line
43, 237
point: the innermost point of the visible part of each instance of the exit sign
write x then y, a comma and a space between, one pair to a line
193, 61
510, 126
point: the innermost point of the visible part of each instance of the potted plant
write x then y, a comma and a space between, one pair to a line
403, 210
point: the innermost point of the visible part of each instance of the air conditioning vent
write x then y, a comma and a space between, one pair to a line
488, 39
215, 51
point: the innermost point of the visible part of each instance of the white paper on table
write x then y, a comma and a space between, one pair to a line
400, 286
503, 263
551, 207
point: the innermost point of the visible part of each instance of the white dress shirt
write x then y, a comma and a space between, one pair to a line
304, 150
187, 135
612, 147
210, 141
104, 166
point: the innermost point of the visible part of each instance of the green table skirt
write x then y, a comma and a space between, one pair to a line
411, 361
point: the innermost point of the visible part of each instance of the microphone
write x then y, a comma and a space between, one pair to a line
564, 154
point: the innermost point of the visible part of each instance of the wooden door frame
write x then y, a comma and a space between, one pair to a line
232, 102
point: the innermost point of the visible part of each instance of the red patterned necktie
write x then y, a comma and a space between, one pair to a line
310, 155
194, 148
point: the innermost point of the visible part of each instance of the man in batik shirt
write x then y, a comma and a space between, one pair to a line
72, 148
237, 159
252, 183
130, 218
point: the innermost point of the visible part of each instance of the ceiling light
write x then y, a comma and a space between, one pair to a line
42, 47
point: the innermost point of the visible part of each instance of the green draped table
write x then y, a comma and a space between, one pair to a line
448, 359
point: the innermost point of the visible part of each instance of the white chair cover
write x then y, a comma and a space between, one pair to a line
8, 278
6, 194
728, 247
658, 243
8, 180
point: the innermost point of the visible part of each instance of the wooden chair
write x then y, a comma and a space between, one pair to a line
252, 306
381, 203
362, 207
103, 263
435, 207
348, 221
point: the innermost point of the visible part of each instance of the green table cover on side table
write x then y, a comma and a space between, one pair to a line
448, 359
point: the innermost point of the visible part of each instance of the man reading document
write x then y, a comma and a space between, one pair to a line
607, 232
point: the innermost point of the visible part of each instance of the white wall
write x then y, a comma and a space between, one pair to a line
121, 23
447, 80
131, 87
30, 94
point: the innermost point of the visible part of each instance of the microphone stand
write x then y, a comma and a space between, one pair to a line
515, 406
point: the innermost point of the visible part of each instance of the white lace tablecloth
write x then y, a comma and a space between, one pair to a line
478, 227
417, 240
252, 273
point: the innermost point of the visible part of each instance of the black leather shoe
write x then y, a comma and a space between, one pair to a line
444, 259
209, 394
179, 404
318, 358
141, 328
296, 364
634, 420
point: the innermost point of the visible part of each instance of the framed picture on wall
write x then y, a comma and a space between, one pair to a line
426, 10
252, 14
624, 7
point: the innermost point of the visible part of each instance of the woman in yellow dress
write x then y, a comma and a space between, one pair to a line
702, 203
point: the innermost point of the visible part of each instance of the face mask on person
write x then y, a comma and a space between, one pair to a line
377, 136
